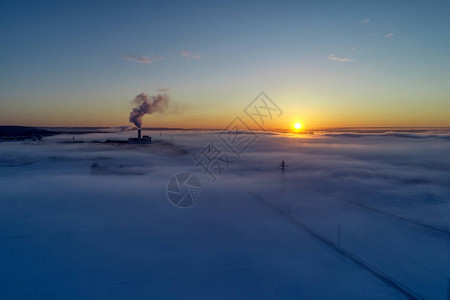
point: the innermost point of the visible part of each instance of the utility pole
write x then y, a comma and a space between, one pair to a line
283, 165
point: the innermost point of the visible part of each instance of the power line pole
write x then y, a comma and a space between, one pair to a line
283, 165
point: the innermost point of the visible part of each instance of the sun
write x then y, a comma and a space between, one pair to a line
297, 125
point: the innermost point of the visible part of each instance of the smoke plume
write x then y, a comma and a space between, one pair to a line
147, 105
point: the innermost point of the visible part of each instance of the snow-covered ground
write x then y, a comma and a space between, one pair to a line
69, 232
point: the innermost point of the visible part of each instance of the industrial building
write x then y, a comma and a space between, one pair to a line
140, 140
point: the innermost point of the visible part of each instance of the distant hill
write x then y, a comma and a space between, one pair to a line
23, 132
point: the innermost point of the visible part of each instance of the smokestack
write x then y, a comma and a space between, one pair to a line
139, 135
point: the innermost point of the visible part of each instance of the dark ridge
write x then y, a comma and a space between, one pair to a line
23, 132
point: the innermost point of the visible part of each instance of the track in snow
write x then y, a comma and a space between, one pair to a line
407, 292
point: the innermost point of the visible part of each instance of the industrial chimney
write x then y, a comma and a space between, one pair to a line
139, 135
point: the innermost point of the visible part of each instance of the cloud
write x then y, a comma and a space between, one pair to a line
343, 59
142, 59
389, 35
365, 21
189, 55
163, 90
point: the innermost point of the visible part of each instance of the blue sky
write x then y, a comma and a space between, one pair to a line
346, 63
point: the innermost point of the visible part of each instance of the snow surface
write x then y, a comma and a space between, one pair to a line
68, 233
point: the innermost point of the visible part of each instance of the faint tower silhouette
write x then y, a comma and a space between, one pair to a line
283, 165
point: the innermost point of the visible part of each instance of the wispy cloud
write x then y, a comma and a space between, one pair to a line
343, 59
365, 21
142, 59
163, 90
389, 35
189, 55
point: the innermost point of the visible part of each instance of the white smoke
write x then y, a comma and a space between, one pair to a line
147, 105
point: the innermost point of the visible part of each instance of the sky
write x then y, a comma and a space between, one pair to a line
324, 63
